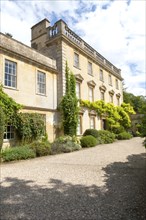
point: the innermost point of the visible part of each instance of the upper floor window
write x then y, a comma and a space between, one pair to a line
91, 96
92, 122
76, 60
41, 83
118, 101
90, 68
10, 73
110, 80
102, 95
117, 84
78, 90
111, 98
101, 75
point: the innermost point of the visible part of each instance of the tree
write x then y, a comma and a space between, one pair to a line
2, 126
138, 102
69, 105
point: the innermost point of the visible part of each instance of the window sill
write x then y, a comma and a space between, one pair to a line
77, 67
12, 88
40, 94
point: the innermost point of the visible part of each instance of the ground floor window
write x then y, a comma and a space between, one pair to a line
9, 132
92, 122
79, 127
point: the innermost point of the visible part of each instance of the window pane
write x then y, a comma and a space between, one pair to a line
41, 83
76, 60
10, 74
90, 68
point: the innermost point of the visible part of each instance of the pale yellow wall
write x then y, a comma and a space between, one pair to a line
26, 91
83, 71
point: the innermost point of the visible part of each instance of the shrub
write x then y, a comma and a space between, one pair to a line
117, 129
124, 136
88, 141
105, 137
41, 148
92, 132
17, 153
65, 144
30, 127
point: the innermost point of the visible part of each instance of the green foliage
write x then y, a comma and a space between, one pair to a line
88, 141
105, 137
115, 116
69, 106
9, 106
30, 126
124, 136
143, 126
116, 129
137, 102
41, 148
2, 126
17, 153
92, 132
65, 144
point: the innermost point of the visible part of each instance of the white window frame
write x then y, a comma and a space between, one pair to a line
78, 90
117, 84
111, 98
110, 80
91, 94
9, 133
102, 95
41, 83
101, 75
10, 78
76, 60
92, 122
90, 70
79, 127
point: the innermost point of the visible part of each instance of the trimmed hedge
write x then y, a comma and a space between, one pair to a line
65, 144
17, 153
105, 137
124, 136
92, 132
88, 141
41, 148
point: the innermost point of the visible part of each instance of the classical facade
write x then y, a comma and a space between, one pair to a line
96, 77
35, 77
30, 78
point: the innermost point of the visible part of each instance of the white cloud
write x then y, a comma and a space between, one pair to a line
114, 28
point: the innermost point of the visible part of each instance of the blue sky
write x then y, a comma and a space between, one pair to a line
115, 28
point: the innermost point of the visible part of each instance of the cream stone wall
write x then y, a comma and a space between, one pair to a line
26, 91
83, 71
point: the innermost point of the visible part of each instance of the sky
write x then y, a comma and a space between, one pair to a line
115, 28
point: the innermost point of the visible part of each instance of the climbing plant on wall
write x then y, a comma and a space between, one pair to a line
69, 105
115, 116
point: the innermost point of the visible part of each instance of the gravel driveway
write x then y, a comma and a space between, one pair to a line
107, 182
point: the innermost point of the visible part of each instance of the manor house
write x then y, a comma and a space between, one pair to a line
35, 76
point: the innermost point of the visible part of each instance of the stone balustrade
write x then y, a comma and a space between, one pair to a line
61, 27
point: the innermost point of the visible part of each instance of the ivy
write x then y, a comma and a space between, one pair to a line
9, 107
2, 126
69, 105
30, 126
115, 116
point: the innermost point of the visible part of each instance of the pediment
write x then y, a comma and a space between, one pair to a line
91, 83
111, 92
118, 95
103, 88
79, 77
